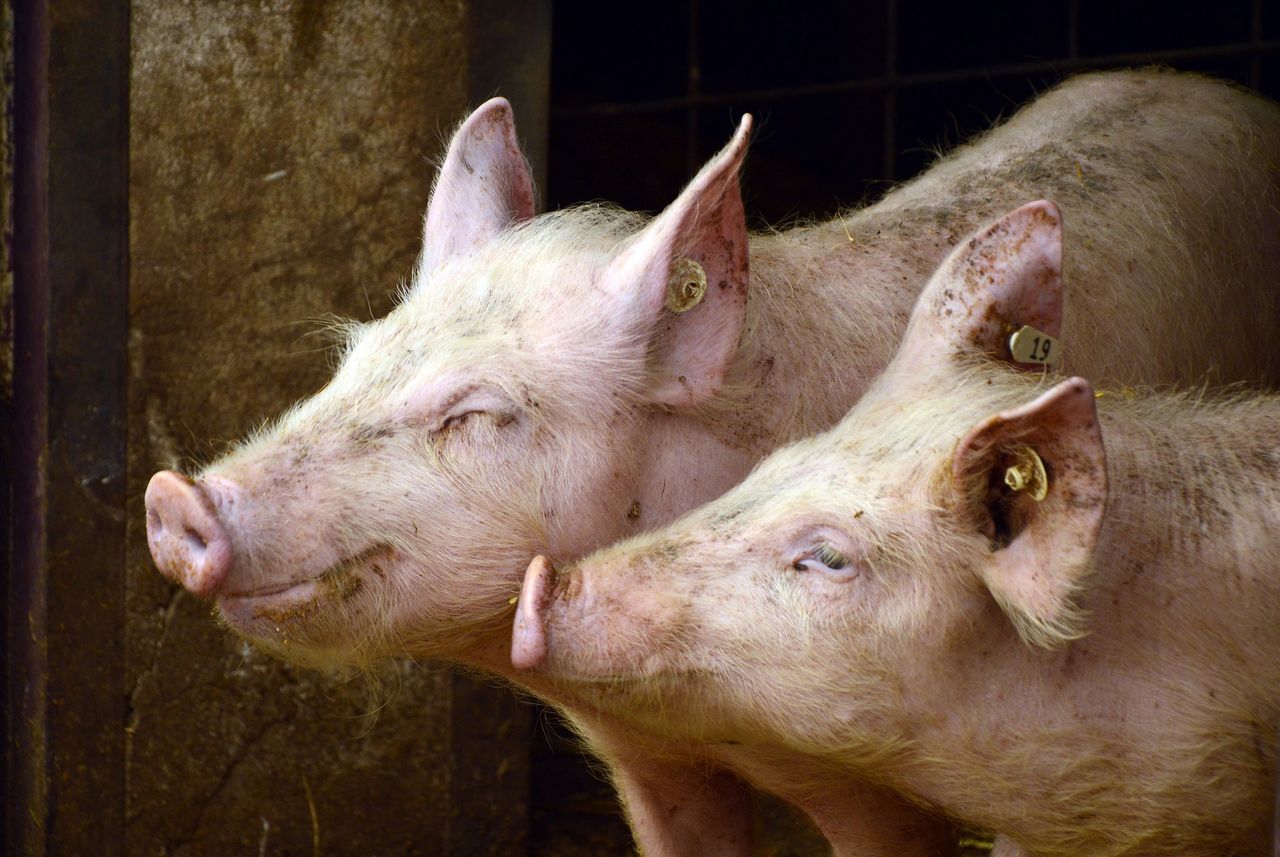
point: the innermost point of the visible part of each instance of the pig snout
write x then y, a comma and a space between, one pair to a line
529, 634
188, 542
592, 622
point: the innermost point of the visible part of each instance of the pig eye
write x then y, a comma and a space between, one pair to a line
823, 558
455, 420
476, 402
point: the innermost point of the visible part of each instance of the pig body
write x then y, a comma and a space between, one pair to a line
1093, 672
1152, 735
536, 391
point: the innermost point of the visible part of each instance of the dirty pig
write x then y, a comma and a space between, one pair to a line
552, 383
1029, 605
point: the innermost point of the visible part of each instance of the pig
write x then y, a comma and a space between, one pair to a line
1036, 608
550, 384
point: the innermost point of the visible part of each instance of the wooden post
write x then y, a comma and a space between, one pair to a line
66, 583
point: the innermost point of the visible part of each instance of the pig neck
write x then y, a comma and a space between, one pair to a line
1188, 543
827, 307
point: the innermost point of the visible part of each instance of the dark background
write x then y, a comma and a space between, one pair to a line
848, 96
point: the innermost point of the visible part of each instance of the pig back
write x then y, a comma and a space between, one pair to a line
1169, 184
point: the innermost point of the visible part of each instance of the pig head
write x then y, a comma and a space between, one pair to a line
848, 560
497, 412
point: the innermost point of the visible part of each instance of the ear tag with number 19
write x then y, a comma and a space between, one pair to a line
1028, 345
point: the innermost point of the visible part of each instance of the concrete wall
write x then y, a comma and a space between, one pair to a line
278, 173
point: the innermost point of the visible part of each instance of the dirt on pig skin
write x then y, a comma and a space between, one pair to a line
1093, 672
531, 388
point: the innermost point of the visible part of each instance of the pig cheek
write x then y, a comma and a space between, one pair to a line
586, 490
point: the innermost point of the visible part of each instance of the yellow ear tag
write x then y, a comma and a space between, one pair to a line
686, 285
1028, 474
1028, 345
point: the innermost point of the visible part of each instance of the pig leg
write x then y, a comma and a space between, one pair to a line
676, 807
685, 810
870, 821
883, 825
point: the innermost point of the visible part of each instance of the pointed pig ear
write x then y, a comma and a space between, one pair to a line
483, 186
1006, 276
683, 282
1050, 449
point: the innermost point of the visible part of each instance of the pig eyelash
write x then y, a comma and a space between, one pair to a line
824, 555
457, 420
453, 421
481, 403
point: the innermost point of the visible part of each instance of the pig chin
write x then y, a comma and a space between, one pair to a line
290, 618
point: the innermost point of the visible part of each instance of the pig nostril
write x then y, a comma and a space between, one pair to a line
196, 540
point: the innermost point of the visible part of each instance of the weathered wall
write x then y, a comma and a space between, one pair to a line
278, 174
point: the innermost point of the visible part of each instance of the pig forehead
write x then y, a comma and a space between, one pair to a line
527, 273
821, 466
469, 313
794, 497
428, 339
828, 480
394, 360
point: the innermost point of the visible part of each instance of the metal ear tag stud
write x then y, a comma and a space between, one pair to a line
1028, 345
1028, 474
686, 285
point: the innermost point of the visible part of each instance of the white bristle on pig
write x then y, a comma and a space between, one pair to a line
549, 384
1092, 667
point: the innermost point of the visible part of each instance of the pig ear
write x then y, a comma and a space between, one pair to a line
1040, 549
683, 282
483, 186
1006, 276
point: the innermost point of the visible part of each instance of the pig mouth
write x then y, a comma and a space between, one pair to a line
619, 678
294, 600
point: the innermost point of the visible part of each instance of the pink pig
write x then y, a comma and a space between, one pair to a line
552, 384
1030, 607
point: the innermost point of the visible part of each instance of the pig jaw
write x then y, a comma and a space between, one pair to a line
307, 614
319, 580
621, 633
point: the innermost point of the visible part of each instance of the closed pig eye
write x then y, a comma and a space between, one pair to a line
477, 402
823, 558
455, 420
